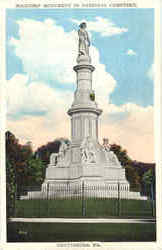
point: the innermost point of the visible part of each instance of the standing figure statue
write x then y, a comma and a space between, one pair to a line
106, 145
84, 41
84, 150
87, 151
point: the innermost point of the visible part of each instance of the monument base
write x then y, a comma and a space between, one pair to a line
84, 169
88, 181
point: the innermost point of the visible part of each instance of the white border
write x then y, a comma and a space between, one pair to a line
2, 128
157, 4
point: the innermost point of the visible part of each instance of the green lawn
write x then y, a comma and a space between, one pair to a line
55, 232
73, 208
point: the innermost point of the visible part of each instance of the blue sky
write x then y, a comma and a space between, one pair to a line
41, 51
133, 83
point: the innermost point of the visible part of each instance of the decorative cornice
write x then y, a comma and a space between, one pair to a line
72, 111
84, 66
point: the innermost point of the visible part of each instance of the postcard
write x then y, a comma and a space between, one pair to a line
81, 129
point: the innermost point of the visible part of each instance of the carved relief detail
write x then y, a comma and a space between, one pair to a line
87, 148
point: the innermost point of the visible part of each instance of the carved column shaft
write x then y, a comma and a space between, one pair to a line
84, 79
84, 111
83, 125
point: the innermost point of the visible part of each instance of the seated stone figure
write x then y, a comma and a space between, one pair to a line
114, 158
110, 156
53, 159
59, 159
62, 152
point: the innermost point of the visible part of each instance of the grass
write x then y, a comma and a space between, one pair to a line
55, 232
73, 208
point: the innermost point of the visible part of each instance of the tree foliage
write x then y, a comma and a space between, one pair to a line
27, 168
135, 171
18, 156
35, 171
149, 176
126, 162
149, 182
10, 188
121, 154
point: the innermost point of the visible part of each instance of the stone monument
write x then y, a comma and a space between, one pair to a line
84, 159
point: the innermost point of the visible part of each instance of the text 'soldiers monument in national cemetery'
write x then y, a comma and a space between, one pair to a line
84, 159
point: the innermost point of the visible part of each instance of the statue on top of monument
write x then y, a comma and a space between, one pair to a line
84, 41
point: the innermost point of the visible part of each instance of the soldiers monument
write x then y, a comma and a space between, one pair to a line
85, 160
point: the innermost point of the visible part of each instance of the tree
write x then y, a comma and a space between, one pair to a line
28, 169
131, 173
35, 171
10, 188
121, 154
149, 176
149, 180
17, 157
133, 178
139, 174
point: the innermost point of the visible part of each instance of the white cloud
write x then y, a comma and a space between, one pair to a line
37, 97
102, 25
45, 57
131, 52
33, 97
45, 48
131, 126
55, 57
48, 52
37, 130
